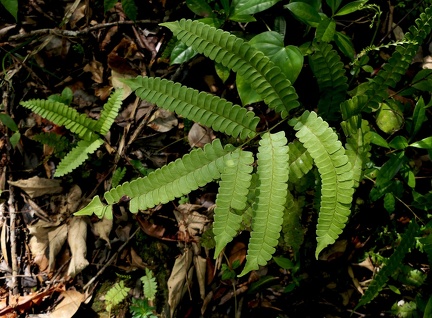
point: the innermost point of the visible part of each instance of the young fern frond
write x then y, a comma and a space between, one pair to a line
77, 156
399, 62
149, 285
116, 295
63, 115
270, 200
300, 161
292, 232
237, 55
330, 74
201, 107
391, 266
174, 180
109, 112
232, 196
336, 176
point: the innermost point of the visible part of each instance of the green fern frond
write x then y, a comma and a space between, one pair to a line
174, 180
300, 161
330, 74
109, 112
77, 156
399, 62
207, 109
336, 176
117, 176
149, 284
391, 266
116, 295
358, 145
237, 55
56, 141
270, 201
63, 115
231, 197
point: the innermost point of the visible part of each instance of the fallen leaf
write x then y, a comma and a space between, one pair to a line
96, 69
56, 238
36, 187
200, 264
69, 305
162, 120
198, 136
179, 279
77, 235
103, 228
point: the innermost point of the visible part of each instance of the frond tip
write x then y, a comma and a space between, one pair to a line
336, 176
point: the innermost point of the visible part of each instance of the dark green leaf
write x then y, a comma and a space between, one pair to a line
305, 13
333, 4
326, 30
408, 175
344, 44
389, 202
200, 7
425, 143
15, 138
428, 309
246, 7
109, 4
419, 117
398, 142
262, 282
11, 6
222, 71
8, 122
390, 168
351, 7
280, 25
422, 202
423, 80
243, 18
130, 9
376, 139
284, 262
182, 53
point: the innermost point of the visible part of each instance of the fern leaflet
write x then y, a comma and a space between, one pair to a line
336, 176
207, 109
149, 285
237, 55
116, 295
392, 264
77, 156
174, 180
109, 112
292, 231
329, 71
231, 197
270, 200
63, 115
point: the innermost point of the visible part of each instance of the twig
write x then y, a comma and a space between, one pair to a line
13, 242
110, 260
71, 33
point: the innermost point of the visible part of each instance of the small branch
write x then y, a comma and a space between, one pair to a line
74, 34
13, 242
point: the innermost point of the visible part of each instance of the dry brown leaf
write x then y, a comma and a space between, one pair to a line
162, 120
77, 235
56, 238
77, 15
116, 82
179, 279
96, 69
200, 264
36, 187
334, 251
103, 228
136, 260
199, 136
69, 305
427, 62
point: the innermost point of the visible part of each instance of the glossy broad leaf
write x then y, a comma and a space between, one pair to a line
351, 7
12, 7
305, 13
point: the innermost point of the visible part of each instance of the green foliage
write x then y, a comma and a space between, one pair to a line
140, 308
149, 285
88, 130
391, 266
118, 176
129, 7
6, 120
12, 7
116, 295
56, 141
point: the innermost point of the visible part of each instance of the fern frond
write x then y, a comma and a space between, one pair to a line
117, 176
109, 112
300, 161
269, 205
174, 180
336, 176
231, 197
358, 145
116, 295
330, 74
58, 142
149, 284
399, 62
236, 54
77, 156
201, 107
63, 115
391, 266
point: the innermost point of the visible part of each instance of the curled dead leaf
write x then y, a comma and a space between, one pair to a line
36, 187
